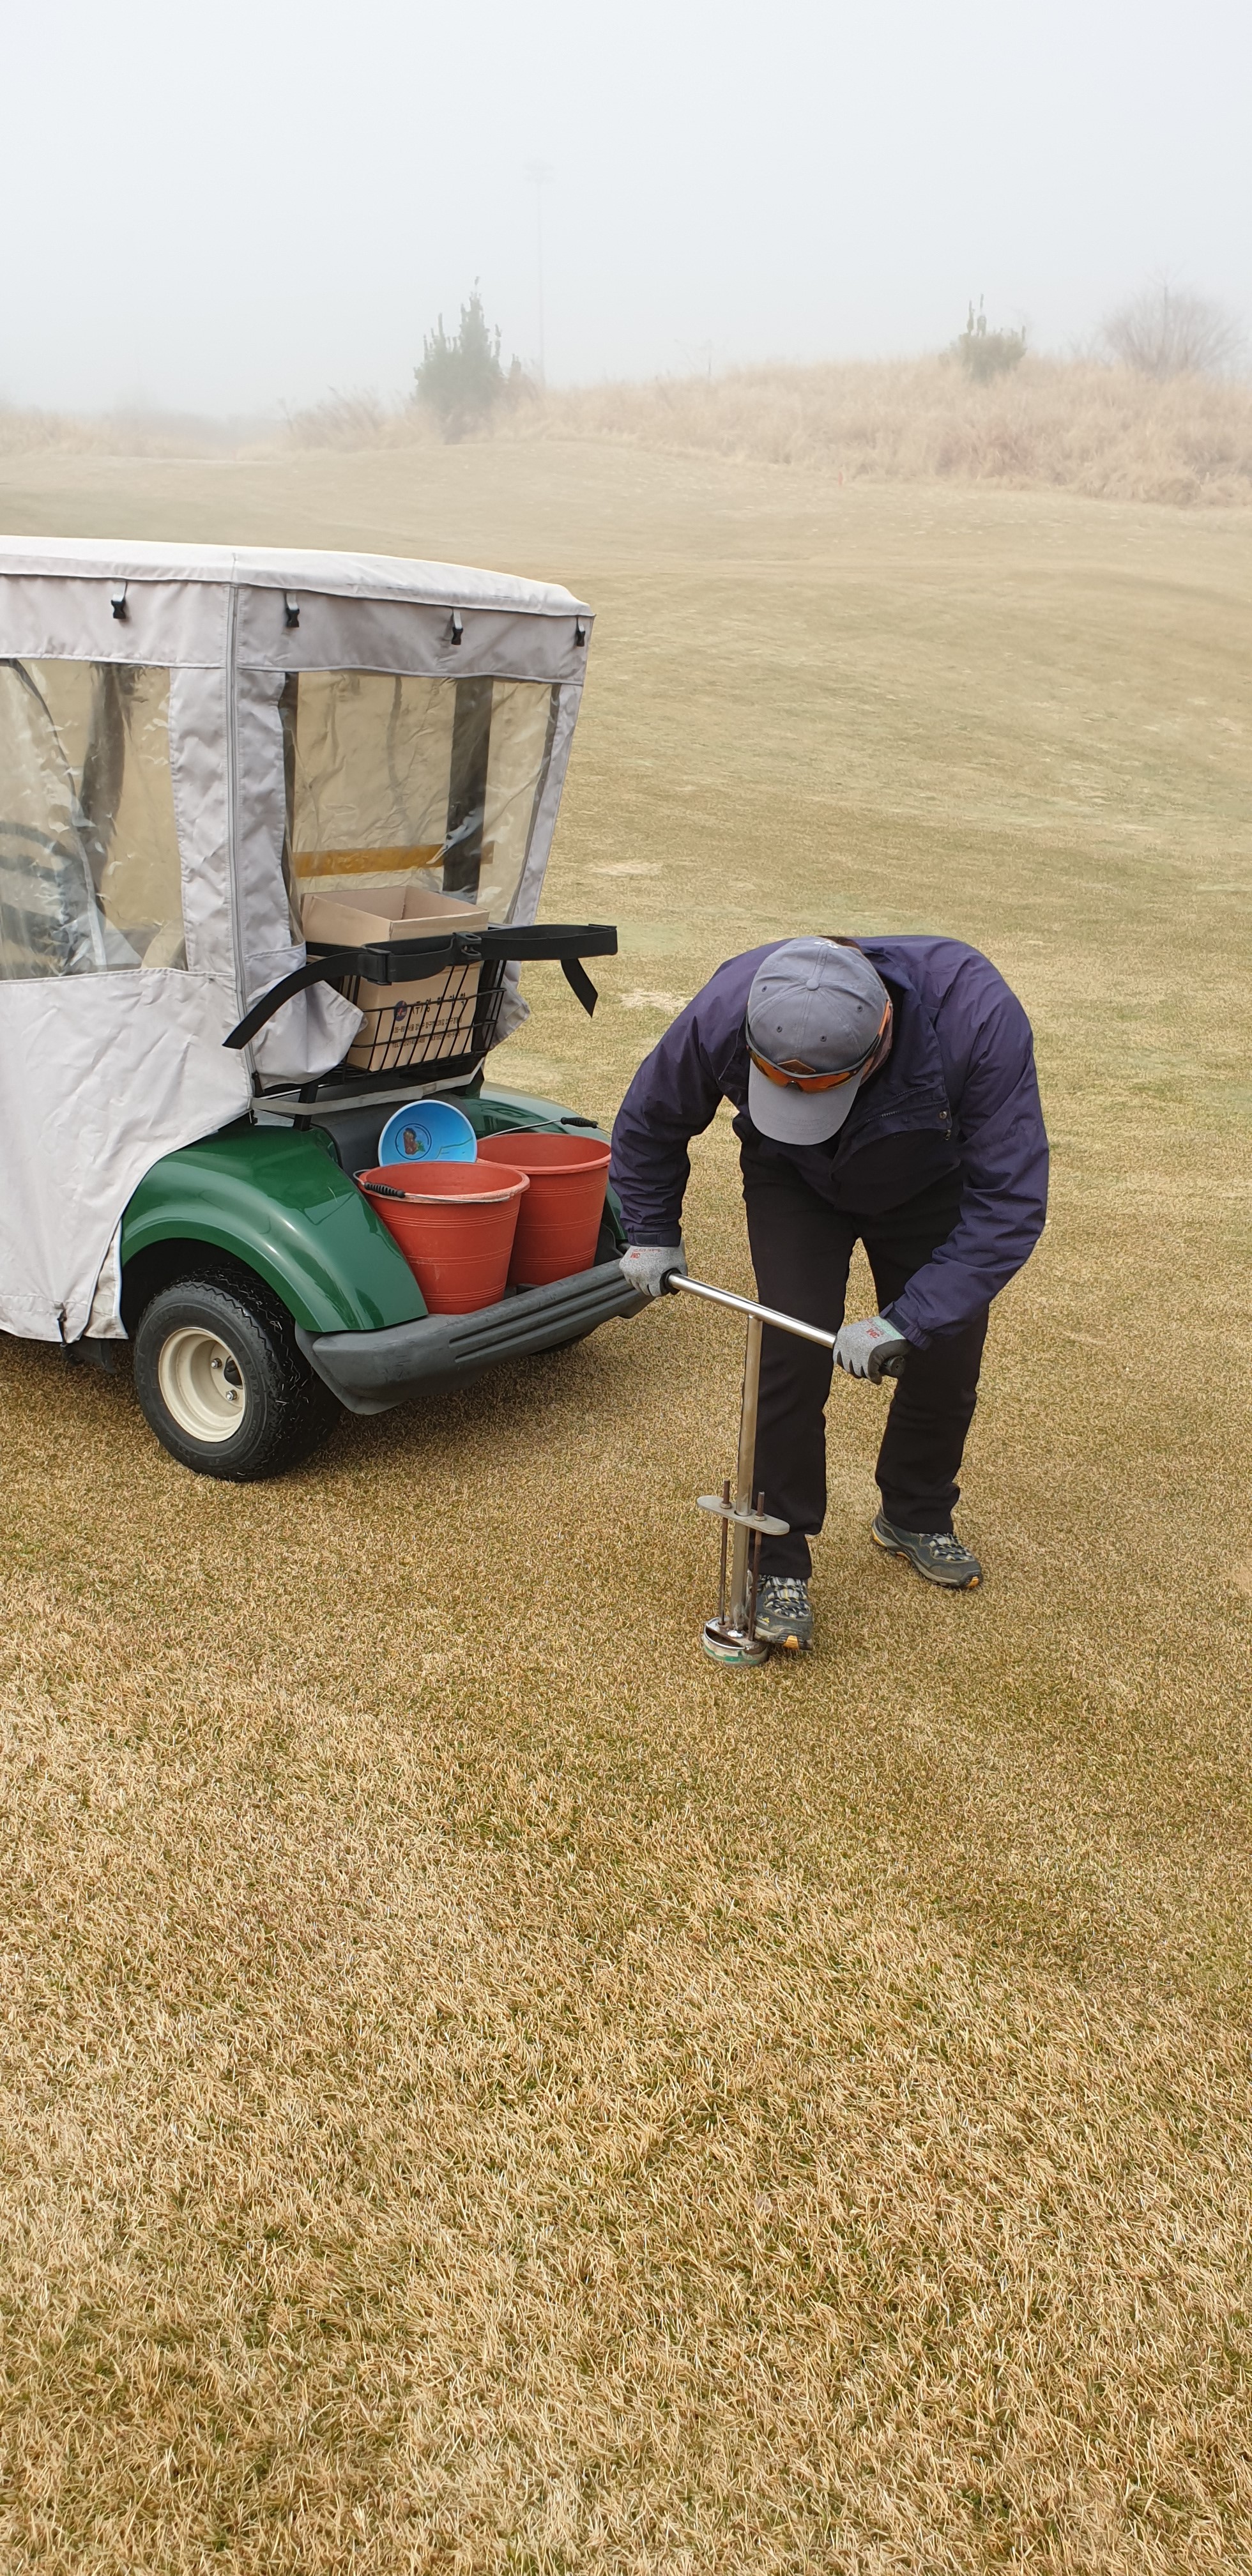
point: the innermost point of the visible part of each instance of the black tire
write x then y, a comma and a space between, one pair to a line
204, 1344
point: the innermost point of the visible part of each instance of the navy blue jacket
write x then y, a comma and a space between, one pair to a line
957, 1094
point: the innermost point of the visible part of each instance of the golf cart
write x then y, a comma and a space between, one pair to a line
273, 833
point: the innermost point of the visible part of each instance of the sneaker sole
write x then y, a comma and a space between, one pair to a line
789, 1644
941, 1582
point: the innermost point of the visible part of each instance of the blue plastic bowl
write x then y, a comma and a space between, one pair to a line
428, 1131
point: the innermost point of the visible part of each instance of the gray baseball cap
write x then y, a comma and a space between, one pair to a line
814, 1007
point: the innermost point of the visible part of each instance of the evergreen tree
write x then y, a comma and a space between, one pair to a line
461, 379
985, 353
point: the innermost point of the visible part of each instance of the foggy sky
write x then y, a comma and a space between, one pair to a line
229, 206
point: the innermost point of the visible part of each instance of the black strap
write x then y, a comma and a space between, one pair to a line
399, 961
312, 972
579, 982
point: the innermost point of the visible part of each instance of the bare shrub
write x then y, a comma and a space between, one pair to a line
341, 421
1168, 331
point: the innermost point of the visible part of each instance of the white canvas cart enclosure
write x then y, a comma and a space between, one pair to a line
195, 743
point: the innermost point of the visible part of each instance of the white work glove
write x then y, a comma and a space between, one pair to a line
647, 1265
873, 1350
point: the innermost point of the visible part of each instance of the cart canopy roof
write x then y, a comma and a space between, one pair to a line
180, 595
350, 576
196, 742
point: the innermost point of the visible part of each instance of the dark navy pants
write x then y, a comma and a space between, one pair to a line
801, 1249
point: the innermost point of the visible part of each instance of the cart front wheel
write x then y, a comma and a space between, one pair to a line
223, 1382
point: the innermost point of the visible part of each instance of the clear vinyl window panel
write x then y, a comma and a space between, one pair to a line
89, 867
389, 774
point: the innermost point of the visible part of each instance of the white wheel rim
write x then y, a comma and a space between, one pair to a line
202, 1384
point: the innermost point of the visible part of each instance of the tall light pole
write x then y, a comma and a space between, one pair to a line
539, 174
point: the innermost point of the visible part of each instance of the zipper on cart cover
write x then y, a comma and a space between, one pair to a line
232, 814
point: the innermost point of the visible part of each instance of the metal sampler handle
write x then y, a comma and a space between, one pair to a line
749, 1306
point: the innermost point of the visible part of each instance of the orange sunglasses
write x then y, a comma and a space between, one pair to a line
806, 1081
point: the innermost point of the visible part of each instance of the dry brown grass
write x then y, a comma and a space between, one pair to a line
124, 433
350, 422
1099, 430
1102, 431
484, 2091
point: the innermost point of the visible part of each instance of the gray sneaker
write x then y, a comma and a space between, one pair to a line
936, 1553
783, 1616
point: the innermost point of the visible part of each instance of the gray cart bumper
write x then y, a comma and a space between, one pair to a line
369, 1372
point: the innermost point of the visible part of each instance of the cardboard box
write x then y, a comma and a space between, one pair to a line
404, 1024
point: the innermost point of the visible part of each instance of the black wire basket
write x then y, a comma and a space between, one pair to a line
443, 1032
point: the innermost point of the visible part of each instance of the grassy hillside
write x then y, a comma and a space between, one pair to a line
1101, 431
484, 2090
1098, 430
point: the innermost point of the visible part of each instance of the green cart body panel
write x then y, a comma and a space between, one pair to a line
277, 1199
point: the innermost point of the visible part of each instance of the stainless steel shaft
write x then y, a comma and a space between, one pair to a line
743, 1474
734, 1640
758, 1317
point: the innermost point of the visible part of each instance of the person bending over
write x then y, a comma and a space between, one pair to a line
884, 1092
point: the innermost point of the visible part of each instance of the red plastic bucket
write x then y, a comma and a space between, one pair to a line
454, 1223
559, 1218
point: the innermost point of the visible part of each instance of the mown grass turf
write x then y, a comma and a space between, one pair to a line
485, 2090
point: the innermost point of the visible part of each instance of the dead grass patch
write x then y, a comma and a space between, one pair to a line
483, 2091
404, 2177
